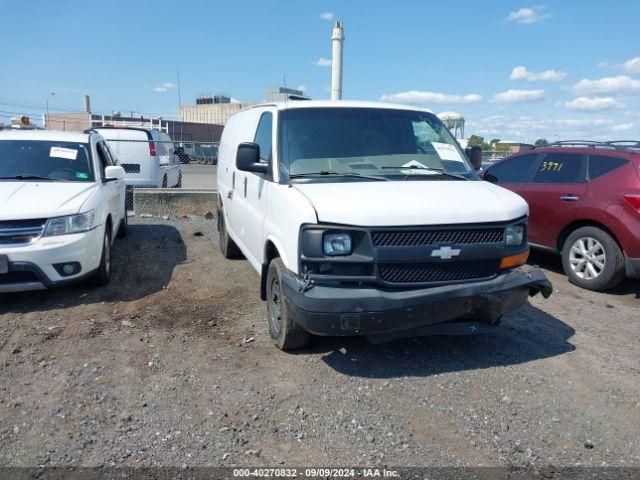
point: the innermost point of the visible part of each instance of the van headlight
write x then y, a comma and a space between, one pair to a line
81, 222
514, 235
335, 244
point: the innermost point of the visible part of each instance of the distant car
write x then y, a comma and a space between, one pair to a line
186, 151
63, 203
147, 156
584, 200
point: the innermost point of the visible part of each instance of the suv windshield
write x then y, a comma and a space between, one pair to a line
363, 143
40, 160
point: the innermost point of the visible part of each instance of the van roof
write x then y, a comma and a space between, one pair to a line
337, 104
44, 135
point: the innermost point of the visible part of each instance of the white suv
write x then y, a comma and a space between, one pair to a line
62, 202
368, 219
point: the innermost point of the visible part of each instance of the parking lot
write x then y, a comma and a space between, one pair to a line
171, 364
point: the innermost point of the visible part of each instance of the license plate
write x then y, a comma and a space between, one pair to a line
4, 264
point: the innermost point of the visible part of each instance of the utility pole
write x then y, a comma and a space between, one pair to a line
47, 109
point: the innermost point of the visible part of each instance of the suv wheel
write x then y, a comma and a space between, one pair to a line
103, 275
228, 247
592, 259
285, 333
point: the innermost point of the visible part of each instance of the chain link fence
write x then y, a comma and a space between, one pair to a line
165, 164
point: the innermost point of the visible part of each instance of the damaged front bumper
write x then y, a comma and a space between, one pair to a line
384, 315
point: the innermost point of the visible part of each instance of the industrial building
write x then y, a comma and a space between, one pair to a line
178, 130
211, 109
282, 94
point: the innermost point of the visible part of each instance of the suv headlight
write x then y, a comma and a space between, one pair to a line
514, 235
334, 244
81, 222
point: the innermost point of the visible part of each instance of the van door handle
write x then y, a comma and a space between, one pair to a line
570, 198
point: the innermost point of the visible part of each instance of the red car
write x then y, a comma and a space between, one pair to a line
584, 201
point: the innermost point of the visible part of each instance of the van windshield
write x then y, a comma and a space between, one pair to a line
36, 160
367, 143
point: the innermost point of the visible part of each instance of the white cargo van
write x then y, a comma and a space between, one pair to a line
147, 156
368, 219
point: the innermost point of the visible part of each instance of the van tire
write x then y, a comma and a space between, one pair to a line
614, 266
103, 274
123, 228
285, 333
228, 247
164, 182
179, 184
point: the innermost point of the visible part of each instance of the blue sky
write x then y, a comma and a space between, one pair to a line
579, 61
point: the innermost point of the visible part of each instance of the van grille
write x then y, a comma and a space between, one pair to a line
438, 272
15, 232
436, 237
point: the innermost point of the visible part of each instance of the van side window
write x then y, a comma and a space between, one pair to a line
561, 168
264, 136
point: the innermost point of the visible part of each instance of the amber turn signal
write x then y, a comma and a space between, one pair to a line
515, 260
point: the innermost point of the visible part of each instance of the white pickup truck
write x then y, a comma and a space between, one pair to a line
368, 219
62, 202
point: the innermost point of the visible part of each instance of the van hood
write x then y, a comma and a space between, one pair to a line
24, 200
393, 203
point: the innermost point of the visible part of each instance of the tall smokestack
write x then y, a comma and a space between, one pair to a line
87, 104
336, 61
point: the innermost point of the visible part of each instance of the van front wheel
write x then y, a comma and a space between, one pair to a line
285, 333
228, 247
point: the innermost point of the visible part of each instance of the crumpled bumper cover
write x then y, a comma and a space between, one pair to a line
384, 314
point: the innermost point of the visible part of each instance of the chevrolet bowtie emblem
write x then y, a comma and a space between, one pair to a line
446, 253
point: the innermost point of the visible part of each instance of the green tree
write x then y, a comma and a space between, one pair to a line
494, 141
475, 140
541, 142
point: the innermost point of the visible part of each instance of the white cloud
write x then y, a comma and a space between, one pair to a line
592, 104
632, 65
521, 73
302, 88
323, 62
326, 16
584, 122
603, 64
518, 96
165, 87
612, 85
623, 127
529, 15
421, 98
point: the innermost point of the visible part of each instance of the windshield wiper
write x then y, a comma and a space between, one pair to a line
327, 172
441, 171
30, 177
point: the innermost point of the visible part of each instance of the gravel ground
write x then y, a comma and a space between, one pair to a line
171, 364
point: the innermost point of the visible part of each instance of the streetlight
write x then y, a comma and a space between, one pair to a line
47, 102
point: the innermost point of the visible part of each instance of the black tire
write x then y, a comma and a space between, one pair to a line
228, 247
285, 333
602, 256
103, 275
164, 182
179, 184
124, 225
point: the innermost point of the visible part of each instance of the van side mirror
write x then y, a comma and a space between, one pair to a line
474, 154
248, 158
